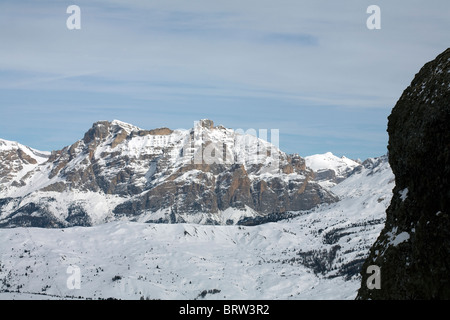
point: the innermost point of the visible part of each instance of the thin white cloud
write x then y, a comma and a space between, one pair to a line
300, 53
204, 41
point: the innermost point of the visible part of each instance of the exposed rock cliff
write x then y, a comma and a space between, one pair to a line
413, 250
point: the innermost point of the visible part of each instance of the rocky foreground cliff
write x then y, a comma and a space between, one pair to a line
208, 174
413, 250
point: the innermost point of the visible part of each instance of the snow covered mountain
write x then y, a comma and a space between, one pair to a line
208, 174
330, 169
315, 255
16, 161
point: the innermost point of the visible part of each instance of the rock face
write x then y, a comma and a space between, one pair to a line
207, 174
413, 250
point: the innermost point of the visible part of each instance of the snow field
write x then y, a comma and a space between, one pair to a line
306, 257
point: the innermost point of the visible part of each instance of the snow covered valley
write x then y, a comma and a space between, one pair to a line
315, 255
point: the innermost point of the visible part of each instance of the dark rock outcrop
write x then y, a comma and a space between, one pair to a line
413, 249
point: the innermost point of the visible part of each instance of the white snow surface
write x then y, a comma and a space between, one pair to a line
394, 238
404, 194
132, 260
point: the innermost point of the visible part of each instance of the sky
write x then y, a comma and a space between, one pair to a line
311, 69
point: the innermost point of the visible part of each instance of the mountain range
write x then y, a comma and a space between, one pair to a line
208, 175
282, 218
311, 253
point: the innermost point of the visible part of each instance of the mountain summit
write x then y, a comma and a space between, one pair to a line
207, 174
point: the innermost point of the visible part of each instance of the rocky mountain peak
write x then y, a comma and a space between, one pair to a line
205, 174
101, 130
206, 123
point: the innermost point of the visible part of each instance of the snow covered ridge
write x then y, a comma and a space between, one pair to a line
207, 174
327, 161
16, 160
331, 169
39, 156
203, 144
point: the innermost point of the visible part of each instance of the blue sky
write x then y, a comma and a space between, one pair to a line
311, 69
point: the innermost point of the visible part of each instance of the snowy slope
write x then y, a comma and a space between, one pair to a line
316, 255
